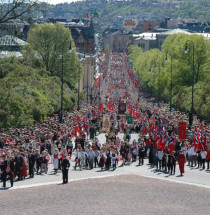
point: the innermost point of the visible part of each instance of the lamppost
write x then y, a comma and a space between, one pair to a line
78, 89
193, 73
159, 86
99, 89
62, 84
79, 85
171, 85
87, 80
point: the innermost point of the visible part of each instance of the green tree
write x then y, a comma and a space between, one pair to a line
49, 42
155, 76
29, 95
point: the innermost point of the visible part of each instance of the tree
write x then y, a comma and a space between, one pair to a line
14, 9
30, 95
154, 72
49, 42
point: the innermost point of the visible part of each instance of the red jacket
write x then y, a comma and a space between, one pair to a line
208, 155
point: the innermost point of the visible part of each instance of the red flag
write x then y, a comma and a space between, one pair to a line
7, 139
101, 106
77, 128
136, 84
171, 148
78, 119
97, 79
88, 15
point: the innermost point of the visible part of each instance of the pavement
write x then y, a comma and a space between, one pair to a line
116, 195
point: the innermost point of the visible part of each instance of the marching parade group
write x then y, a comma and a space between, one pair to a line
122, 109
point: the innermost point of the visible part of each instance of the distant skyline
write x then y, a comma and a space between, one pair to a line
59, 1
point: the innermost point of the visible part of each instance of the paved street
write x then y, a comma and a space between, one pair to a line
123, 195
192, 176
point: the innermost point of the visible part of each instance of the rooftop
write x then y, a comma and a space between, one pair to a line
145, 36
9, 40
175, 31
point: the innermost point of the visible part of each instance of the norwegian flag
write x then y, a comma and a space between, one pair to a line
7, 139
78, 119
137, 105
77, 128
203, 141
88, 15
171, 142
171, 145
101, 107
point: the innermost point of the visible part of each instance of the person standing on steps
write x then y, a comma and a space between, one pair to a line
65, 169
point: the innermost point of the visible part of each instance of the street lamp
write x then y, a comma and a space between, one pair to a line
193, 73
171, 87
79, 82
159, 87
87, 80
62, 85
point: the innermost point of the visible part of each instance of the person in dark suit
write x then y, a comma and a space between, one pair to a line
18, 165
65, 169
8, 170
31, 159
141, 154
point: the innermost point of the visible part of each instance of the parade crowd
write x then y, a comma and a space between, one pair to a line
29, 151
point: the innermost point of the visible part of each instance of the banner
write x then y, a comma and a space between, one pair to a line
129, 120
182, 130
106, 123
117, 93
122, 108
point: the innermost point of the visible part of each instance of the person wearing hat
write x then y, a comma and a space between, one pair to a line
65, 169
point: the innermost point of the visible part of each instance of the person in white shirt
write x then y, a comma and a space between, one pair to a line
189, 155
194, 156
160, 157
203, 158
113, 159
78, 159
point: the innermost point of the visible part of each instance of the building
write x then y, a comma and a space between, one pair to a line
82, 32
14, 27
148, 26
146, 41
169, 23
162, 36
116, 39
84, 39
11, 46
151, 40
88, 76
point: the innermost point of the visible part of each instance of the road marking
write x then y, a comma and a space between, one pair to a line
176, 181
59, 182
106, 176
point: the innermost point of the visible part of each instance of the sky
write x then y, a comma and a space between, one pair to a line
59, 1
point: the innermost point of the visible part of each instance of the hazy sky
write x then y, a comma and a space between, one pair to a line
58, 1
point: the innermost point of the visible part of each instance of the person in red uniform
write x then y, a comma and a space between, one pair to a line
181, 161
